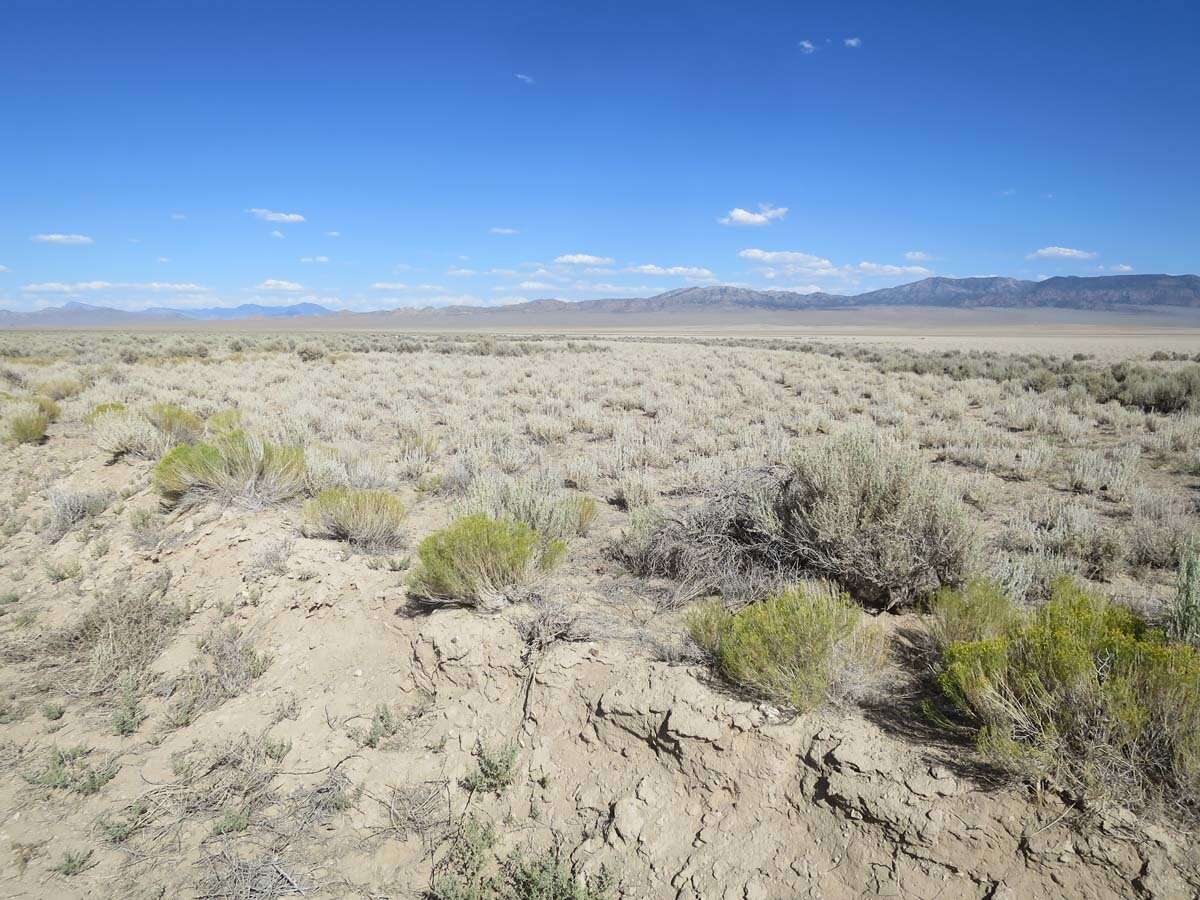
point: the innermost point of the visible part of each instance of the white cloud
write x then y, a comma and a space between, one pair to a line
525, 79
806, 47
766, 214
461, 272
788, 257
870, 268
917, 256
164, 259
504, 231
1061, 253
1121, 267
583, 259
532, 286
178, 217
314, 259
507, 273
275, 284
3, 268
333, 234
269, 215
62, 239
401, 286
81, 287
683, 271
277, 234
853, 42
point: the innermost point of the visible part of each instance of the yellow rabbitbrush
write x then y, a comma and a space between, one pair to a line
236, 467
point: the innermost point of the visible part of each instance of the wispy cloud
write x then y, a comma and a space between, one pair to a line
461, 272
314, 259
852, 42
504, 231
402, 286
178, 216
1061, 253
766, 214
583, 259
83, 287
872, 268
62, 239
3, 268
806, 47
269, 215
795, 263
333, 234
276, 284
277, 234
917, 256
525, 79
1119, 267
698, 272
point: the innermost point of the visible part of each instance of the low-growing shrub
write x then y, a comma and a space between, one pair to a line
1183, 615
369, 519
1082, 692
236, 467
120, 432
102, 409
27, 425
59, 388
863, 510
478, 560
870, 513
47, 407
798, 648
177, 424
537, 502
979, 611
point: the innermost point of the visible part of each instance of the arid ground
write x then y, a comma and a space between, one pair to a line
232, 666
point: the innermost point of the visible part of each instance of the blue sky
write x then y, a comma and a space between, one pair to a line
370, 155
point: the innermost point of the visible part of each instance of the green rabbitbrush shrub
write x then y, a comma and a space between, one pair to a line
370, 519
478, 560
235, 467
797, 648
1081, 692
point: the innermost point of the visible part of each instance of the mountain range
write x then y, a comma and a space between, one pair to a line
1109, 292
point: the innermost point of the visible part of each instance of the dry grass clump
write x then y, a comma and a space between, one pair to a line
478, 560
1079, 691
226, 666
59, 388
26, 424
799, 647
367, 519
121, 634
67, 508
175, 423
236, 467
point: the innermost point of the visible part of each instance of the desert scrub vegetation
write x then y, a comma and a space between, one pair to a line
26, 423
864, 510
535, 501
1080, 691
371, 520
798, 648
225, 666
236, 467
471, 870
1183, 614
478, 560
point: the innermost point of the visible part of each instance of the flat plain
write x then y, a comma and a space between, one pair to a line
455, 615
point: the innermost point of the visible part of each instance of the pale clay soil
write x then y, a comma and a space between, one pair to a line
650, 768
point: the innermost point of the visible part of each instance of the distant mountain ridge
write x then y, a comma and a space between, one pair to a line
1105, 292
